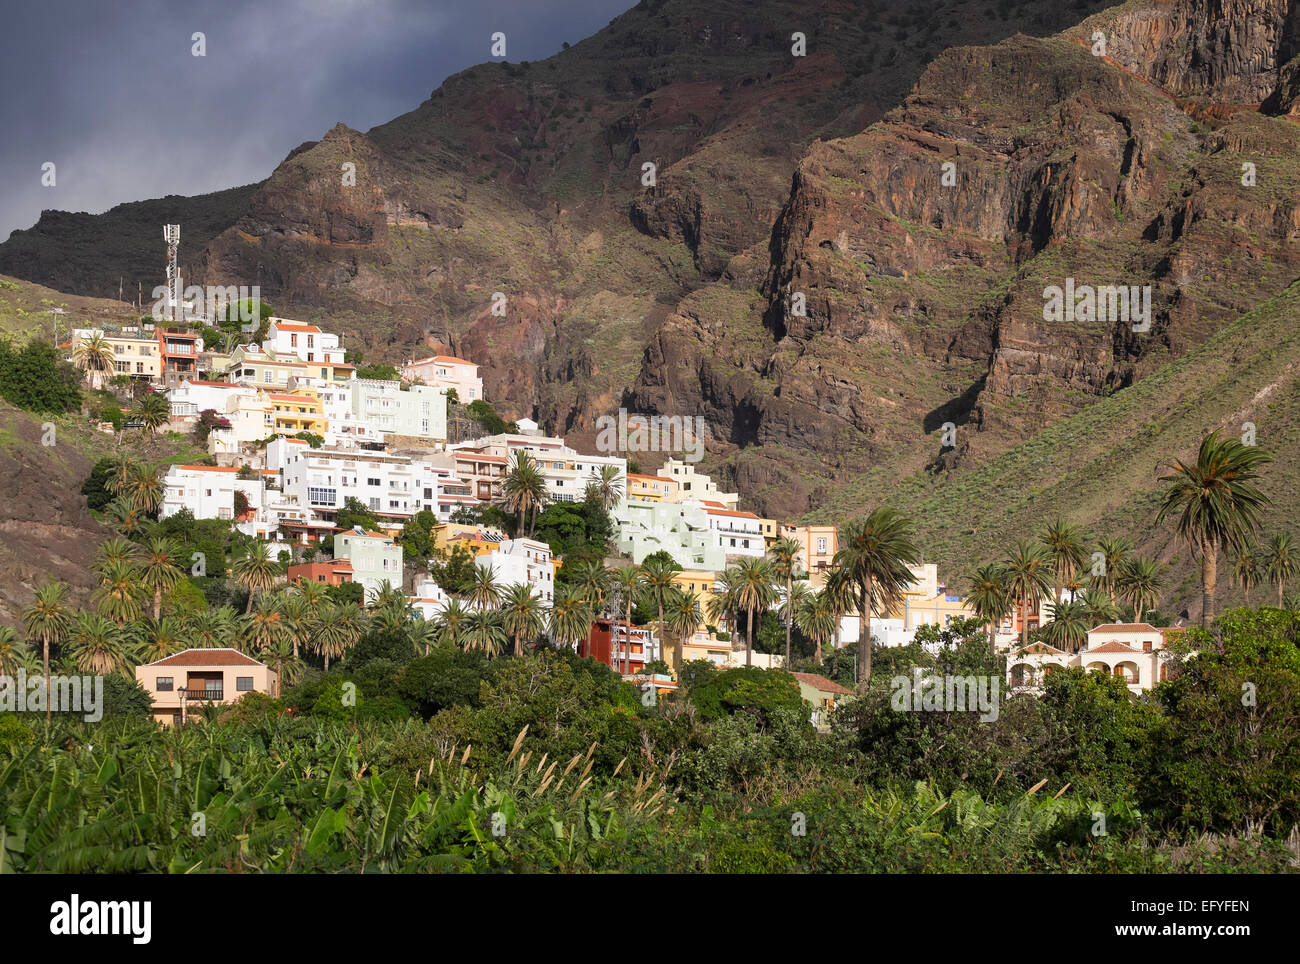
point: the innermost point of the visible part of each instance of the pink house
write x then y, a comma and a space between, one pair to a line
447, 371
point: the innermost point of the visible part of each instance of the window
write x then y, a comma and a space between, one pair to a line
372, 482
322, 496
123, 366
293, 341
821, 546
244, 684
164, 684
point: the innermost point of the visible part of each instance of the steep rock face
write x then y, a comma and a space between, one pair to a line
46, 531
923, 295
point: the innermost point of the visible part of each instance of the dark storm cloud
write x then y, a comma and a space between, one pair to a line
110, 93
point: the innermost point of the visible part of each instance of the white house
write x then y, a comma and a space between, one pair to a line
306, 342
693, 485
417, 412
208, 491
567, 471
1136, 652
683, 531
736, 533
323, 479
517, 562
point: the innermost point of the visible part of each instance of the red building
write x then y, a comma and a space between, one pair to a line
179, 351
608, 643
333, 573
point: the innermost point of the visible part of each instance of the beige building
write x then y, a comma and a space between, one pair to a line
817, 545
184, 681
651, 488
449, 372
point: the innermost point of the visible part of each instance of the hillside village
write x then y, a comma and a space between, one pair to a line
299, 442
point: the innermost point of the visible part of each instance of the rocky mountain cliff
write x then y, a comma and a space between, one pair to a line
924, 295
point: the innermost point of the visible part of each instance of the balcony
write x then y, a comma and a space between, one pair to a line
208, 694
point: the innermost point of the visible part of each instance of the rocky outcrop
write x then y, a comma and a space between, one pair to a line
906, 274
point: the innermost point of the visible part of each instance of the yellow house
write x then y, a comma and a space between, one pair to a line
700, 581
135, 356
771, 530
298, 411
651, 488
817, 548
477, 540
704, 645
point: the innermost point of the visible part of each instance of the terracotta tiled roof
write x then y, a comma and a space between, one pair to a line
743, 515
207, 657
1111, 648
1041, 649
822, 683
295, 326
1125, 628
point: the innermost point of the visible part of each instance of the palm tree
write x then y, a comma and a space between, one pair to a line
265, 625
875, 553
605, 487
450, 623
723, 608
839, 590
11, 652
124, 516
423, 633
115, 550
152, 411
1280, 562
161, 638
212, 628
817, 619
1027, 574
570, 617
389, 595
683, 616
1068, 629
120, 469
256, 571
754, 592
626, 582
1113, 553
160, 570
657, 581
288, 667
483, 630
313, 594
593, 581
521, 614
484, 591
299, 619
990, 597
145, 490
331, 638
1216, 503
118, 595
1065, 549
99, 645
523, 490
1247, 569
1099, 607
1139, 585
785, 567
94, 356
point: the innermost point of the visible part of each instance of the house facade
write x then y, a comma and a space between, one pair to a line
181, 683
375, 559
446, 372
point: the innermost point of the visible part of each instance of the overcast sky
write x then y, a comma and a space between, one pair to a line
109, 91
